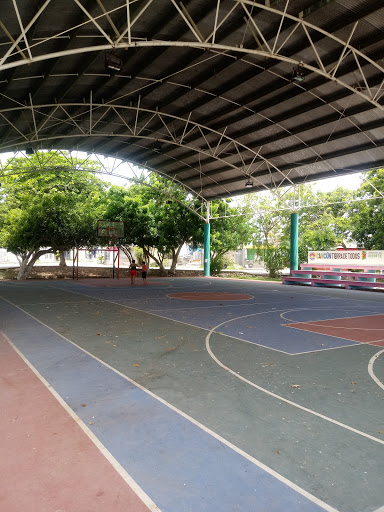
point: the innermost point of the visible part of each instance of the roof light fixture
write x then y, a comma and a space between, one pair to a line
298, 74
29, 151
156, 146
249, 184
114, 62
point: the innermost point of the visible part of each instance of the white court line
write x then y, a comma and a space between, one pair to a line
185, 323
381, 509
325, 309
370, 370
222, 333
223, 306
328, 319
325, 349
60, 302
278, 397
135, 299
239, 376
331, 335
107, 454
267, 469
340, 326
356, 343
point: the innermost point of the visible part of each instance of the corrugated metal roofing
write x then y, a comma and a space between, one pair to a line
204, 91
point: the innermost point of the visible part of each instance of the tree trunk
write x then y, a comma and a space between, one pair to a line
24, 269
175, 256
159, 261
127, 251
62, 263
27, 262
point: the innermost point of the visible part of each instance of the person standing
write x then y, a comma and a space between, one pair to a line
144, 273
133, 271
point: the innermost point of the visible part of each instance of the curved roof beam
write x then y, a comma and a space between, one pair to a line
85, 125
14, 56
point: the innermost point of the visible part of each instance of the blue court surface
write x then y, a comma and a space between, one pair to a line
213, 402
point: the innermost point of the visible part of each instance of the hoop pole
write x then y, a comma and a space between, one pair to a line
118, 262
113, 260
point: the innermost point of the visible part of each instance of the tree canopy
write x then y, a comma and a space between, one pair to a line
49, 211
157, 219
324, 222
56, 207
367, 215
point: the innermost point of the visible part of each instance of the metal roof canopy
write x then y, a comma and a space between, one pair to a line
200, 91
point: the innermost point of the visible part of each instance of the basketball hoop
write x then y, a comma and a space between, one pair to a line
113, 230
110, 229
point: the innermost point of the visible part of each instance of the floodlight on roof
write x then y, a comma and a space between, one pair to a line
249, 184
114, 62
29, 151
298, 74
156, 146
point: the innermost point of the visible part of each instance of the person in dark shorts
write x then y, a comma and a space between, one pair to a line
133, 271
144, 273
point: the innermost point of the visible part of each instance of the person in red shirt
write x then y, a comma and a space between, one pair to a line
133, 271
144, 273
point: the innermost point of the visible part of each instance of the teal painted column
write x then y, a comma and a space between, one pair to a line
207, 244
294, 242
207, 249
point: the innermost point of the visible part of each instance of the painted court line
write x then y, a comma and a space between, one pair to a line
278, 397
206, 329
222, 333
334, 327
122, 472
152, 312
324, 349
311, 498
324, 309
190, 325
329, 335
370, 369
223, 305
59, 302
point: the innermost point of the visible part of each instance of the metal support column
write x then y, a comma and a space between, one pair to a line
207, 245
294, 252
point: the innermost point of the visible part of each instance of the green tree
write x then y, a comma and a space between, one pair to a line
50, 210
368, 214
229, 231
324, 222
159, 220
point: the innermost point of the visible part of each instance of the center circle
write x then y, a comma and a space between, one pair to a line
213, 296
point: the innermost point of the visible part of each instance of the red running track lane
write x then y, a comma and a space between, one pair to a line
48, 463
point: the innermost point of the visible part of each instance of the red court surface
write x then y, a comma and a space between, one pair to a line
364, 329
48, 463
210, 296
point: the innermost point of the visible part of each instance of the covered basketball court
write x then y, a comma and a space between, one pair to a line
193, 394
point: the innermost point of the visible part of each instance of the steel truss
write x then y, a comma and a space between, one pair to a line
25, 50
212, 143
255, 43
